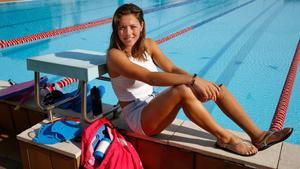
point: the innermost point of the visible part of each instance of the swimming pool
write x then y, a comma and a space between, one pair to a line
247, 45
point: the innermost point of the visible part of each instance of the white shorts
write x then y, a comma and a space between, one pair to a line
132, 113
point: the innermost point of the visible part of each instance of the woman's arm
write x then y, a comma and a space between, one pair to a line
203, 89
119, 64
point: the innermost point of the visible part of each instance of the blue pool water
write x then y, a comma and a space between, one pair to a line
247, 45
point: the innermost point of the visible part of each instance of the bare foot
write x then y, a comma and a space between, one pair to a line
238, 146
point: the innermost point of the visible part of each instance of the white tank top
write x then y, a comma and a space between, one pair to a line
129, 89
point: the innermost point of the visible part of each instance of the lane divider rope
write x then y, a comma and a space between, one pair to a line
283, 103
52, 33
56, 32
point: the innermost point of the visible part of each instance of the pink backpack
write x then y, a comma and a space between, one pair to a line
120, 154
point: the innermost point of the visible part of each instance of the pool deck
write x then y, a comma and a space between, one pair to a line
200, 145
180, 145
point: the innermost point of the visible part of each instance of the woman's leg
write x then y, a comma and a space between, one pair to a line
261, 139
229, 105
162, 110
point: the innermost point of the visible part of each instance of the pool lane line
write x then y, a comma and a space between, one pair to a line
283, 103
57, 32
189, 15
182, 31
242, 53
34, 3
232, 40
55, 16
172, 5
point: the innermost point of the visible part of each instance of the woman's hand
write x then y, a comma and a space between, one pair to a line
205, 90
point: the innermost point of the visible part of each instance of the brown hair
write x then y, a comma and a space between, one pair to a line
138, 50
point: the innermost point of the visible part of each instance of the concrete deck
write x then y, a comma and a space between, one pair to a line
188, 136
